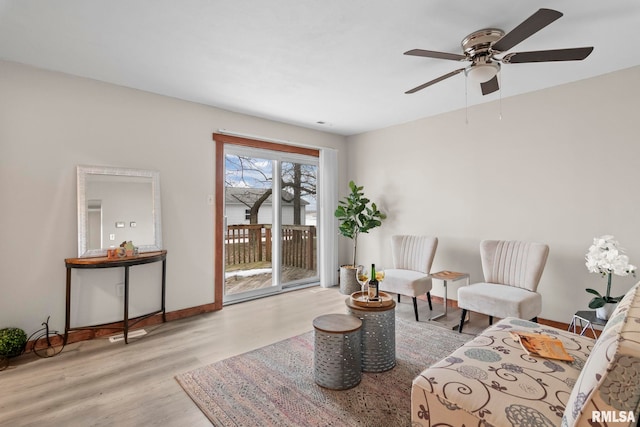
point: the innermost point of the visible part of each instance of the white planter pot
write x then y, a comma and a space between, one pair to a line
605, 311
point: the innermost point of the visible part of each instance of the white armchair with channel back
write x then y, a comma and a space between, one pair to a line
410, 275
512, 271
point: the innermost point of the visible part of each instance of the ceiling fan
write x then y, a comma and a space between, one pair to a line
483, 47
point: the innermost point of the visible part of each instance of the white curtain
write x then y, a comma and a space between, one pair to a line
328, 241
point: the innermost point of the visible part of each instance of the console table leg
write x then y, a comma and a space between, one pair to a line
126, 304
164, 289
67, 314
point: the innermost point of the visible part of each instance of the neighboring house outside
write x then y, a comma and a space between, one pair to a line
238, 202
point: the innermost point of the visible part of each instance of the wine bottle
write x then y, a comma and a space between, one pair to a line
374, 292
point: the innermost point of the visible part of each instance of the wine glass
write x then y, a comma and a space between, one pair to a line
362, 276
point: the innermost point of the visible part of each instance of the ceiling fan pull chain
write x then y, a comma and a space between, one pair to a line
500, 94
466, 101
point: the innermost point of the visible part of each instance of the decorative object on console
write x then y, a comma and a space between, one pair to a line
607, 258
126, 249
356, 215
130, 249
115, 253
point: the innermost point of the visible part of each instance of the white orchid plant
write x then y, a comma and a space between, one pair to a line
606, 258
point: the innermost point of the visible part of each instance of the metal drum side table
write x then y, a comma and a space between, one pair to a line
378, 335
336, 356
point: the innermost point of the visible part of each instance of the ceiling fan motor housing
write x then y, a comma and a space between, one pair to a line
477, 47
480, 42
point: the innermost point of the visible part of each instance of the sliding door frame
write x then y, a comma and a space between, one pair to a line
220, 140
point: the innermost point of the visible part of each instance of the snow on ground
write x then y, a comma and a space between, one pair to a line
247, 273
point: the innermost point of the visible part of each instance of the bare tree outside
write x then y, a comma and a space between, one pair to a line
297, 181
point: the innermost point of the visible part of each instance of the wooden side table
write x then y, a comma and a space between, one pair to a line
447, 276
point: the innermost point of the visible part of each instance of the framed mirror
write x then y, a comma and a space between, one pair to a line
116, 205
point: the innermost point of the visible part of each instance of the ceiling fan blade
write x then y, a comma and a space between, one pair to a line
490, 86
526, 29
575, 54
434, 54
434, 81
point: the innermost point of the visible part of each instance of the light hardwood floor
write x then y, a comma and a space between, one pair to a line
98, 383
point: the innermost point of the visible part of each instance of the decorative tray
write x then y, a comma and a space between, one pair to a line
360, 299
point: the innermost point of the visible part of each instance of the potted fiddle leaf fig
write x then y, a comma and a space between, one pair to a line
356, 214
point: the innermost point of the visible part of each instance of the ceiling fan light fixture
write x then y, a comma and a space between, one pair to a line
480, 73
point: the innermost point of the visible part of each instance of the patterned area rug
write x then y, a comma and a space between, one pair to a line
274, 385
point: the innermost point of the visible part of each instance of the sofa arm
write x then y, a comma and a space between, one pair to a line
609, 383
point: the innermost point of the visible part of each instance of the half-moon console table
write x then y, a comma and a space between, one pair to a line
126, 262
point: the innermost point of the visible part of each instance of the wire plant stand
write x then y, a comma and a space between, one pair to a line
46, 342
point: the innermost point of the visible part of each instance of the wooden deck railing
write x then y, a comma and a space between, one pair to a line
251, 243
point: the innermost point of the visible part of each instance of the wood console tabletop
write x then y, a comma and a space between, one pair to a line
126, 262
104, 262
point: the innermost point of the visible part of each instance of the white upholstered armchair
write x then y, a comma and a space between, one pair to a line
412, 259
512, 271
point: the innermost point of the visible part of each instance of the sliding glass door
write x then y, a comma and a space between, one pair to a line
298, 237
270, 214
249, 213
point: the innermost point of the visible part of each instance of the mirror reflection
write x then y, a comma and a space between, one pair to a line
117, 205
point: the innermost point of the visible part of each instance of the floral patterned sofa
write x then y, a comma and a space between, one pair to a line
491, 381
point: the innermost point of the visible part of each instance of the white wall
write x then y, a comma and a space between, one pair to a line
49, 124
561, 167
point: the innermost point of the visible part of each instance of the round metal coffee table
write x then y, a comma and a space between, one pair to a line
378, 334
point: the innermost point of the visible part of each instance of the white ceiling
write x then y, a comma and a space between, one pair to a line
308, 61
